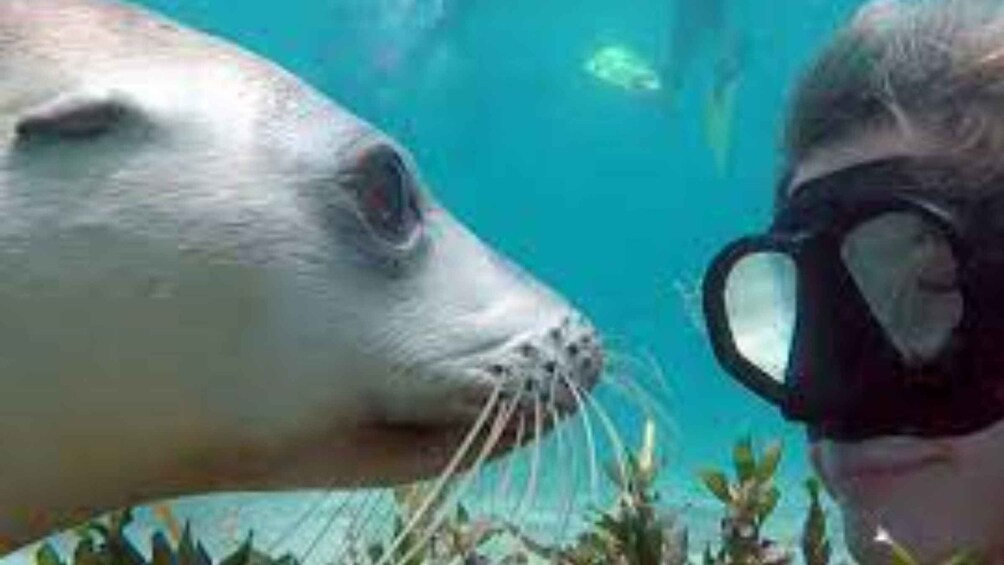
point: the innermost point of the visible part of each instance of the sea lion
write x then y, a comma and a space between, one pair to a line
214, 278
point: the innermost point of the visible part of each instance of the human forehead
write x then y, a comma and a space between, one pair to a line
857, 149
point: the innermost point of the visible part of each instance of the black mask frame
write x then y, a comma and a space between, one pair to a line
844, 378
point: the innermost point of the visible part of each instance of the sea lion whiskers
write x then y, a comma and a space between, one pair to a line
502, 423
327, 494
328, 524
358, 523
299, 521
530, 490
584, 459
510, 483
639, 378
342, 506
372, 510
364, 514
562, 449
376, 511
440, 484
445, 510
565, 454
505, 481
502, 418
606, 424
587, 427
371, 501
634, 378
652, 373
505, 408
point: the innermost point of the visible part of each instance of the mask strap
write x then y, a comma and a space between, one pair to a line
781, 189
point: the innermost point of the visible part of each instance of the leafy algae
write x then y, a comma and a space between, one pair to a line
638, 529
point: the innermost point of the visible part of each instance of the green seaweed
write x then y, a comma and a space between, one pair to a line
816, 548
637, 529
425, 536
104, 542
749, 501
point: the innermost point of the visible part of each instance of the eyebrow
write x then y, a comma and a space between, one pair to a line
782, 194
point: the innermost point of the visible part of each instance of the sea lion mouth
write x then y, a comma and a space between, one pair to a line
542, 374
494, 414
446, 437
507, 414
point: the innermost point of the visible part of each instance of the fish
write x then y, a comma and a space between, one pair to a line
619, 66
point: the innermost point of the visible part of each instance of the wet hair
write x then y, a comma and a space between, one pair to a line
933, 66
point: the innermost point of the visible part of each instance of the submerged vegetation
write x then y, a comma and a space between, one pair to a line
749, 501
638, 529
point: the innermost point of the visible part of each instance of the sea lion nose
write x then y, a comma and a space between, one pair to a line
564, 362
578, 344
582, 348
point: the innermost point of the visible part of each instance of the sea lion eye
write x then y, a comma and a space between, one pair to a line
72, 117
387, 197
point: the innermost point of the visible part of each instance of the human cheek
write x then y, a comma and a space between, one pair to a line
816, 461
980, 478
934, 508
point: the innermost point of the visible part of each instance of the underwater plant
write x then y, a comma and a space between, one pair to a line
103, 542
816, 548
748, 501
424, 539
637, 529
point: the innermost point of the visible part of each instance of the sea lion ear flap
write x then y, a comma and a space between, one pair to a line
72, 116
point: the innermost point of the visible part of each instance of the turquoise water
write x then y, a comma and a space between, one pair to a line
612, 196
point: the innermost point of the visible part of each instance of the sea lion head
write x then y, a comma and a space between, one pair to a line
212, 277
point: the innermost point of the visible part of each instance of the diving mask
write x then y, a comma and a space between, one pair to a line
874, 305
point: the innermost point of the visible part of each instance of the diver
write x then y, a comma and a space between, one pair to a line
871, 310
704, 29
427, 30
719, 115
695, 25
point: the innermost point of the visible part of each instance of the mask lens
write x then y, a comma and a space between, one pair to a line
905, 270
760, 294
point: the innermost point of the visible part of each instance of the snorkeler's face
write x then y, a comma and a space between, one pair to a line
933, 496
